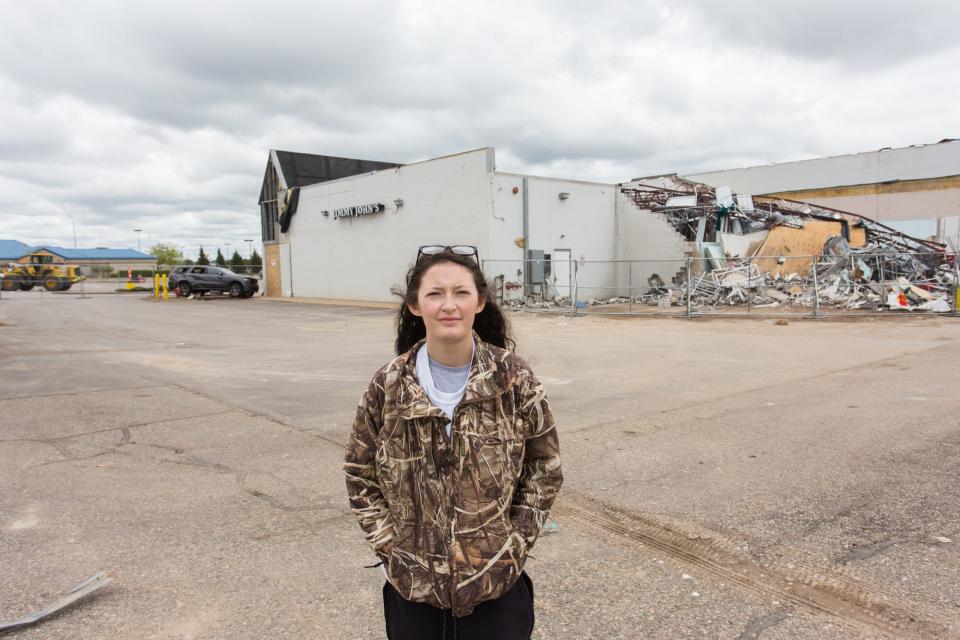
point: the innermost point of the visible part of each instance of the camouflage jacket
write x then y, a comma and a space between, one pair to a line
453, 518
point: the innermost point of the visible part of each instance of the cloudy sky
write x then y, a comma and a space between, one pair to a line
158, 116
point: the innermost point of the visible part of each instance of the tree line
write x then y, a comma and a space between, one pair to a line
169, 255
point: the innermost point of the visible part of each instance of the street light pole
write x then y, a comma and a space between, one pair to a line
249, 249
138, 231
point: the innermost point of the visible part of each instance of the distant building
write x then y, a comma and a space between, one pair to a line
13, 250
116, 259
915, 189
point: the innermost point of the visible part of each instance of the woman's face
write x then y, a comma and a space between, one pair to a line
448, 301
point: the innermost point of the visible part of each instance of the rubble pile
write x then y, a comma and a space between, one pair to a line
768, 252
759, 251
535, 302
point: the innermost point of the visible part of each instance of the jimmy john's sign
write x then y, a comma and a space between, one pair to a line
359, 210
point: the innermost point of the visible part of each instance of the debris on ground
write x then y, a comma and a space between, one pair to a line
766, 252
82, 590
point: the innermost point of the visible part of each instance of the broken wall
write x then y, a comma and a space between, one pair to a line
646, 236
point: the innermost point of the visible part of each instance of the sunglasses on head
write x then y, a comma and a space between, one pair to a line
457, 249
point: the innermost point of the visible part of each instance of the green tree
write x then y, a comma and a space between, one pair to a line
166, 253
202, 258
220, 260
255, 260
236, 260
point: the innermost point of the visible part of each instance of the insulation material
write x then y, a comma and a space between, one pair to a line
788, 241
858, 236
742, 245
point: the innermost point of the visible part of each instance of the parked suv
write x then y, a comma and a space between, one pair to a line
200, 279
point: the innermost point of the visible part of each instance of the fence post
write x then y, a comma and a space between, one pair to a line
883, 291
956, 282
816, 291
749, 284
573, 286
688, 287
630, 287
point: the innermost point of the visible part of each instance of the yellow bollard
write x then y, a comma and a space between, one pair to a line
164, 286
156, 285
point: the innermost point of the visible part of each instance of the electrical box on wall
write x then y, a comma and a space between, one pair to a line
535, 268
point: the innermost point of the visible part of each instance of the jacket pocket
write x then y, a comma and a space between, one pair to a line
495, 562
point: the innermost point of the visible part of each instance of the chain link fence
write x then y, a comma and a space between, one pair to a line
833, 284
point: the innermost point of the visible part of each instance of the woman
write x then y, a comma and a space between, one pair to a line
453, 462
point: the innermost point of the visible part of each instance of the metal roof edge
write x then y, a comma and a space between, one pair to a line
831, 157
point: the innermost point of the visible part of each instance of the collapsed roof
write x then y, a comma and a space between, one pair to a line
740, 241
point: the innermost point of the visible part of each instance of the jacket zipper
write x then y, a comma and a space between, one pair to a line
454, 444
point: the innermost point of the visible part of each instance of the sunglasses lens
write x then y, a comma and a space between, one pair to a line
457, 249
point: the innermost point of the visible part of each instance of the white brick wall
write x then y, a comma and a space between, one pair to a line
649, 239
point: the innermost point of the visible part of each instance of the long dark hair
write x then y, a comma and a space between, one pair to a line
490, 324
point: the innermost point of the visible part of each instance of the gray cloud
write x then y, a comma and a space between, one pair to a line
858, 33
116, 116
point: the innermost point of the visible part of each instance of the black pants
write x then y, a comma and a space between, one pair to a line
509, 617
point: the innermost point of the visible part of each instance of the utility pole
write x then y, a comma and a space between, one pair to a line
138, 231
249, 248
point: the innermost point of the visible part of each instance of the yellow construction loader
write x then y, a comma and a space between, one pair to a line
40, 271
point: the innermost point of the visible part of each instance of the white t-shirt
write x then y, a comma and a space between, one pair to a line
447, 401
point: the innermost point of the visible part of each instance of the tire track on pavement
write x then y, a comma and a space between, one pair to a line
845, 601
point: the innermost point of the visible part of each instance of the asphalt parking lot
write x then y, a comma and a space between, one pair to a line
724, 478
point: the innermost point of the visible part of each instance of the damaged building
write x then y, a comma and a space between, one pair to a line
348, 229
769, 251
913, 189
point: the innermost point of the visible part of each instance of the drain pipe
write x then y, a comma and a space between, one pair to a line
526, 236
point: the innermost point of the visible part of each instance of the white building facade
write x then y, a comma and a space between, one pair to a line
354, 237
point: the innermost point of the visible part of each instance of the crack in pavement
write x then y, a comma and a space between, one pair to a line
81, 392
260, 414
240, 476
56, 439
273, 500
124, 439
80, 352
